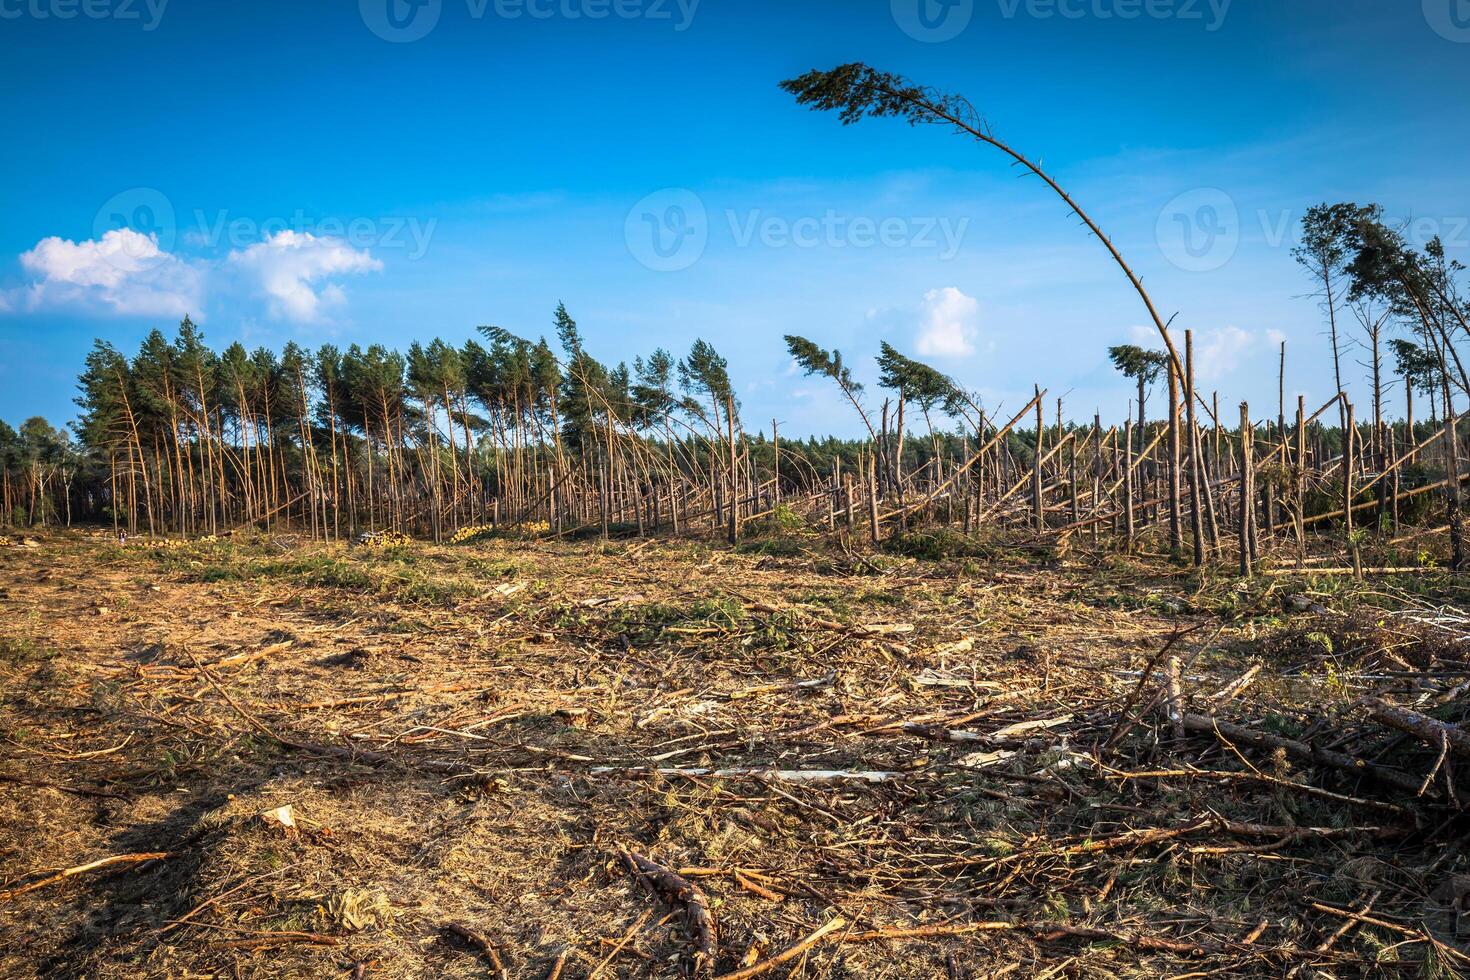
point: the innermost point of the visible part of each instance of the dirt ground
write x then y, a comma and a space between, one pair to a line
420, 761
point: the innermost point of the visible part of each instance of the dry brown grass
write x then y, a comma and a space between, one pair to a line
516, 697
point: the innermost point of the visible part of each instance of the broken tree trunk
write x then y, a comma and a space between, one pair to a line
678, 890
1300, 750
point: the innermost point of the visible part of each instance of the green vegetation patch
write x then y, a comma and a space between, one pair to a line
937, 544
403, 574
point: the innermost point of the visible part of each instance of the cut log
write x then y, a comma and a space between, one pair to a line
480, 943
789, 953
1422, 727
107, 862
808, 776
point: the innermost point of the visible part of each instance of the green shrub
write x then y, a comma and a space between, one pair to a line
937, 544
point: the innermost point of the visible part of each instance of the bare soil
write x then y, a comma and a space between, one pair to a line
469, 739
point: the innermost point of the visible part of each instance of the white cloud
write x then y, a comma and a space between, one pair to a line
949, 323
288, 266
1218, 353
124, 272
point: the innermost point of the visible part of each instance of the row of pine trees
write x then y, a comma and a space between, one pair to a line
182, 439
195, 441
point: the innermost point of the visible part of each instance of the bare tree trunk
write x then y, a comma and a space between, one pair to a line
873, 499
1301, 475
1129, 528
732, 531
1176, 536
1038, 515
776, 462
1452, 489
1247, 491
1196, 527
1349, 454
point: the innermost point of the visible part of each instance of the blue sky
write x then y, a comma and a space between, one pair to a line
282, 171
